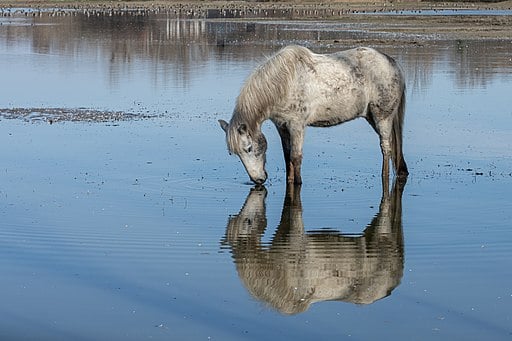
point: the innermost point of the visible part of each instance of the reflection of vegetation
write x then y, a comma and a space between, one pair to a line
474, 65
174, 46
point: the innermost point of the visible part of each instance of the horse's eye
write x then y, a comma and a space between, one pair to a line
249, 149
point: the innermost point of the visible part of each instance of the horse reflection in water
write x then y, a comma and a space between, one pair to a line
299, 268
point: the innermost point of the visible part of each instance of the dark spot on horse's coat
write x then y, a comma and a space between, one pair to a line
261, 144
357, 73
327, 123
320, 124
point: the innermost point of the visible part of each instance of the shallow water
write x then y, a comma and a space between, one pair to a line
142, 226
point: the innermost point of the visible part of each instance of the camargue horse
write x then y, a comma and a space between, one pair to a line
296, 88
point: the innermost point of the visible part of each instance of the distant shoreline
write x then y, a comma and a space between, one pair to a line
415, 19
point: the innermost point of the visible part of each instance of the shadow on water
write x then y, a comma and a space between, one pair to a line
300, 267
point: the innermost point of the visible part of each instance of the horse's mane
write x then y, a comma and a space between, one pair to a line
264, 88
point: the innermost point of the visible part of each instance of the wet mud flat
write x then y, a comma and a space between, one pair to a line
130, 220
56, 115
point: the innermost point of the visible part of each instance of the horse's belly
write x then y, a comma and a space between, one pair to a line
326, 123
334, 102
331, 115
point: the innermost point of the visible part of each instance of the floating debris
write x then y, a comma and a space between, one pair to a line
54, 115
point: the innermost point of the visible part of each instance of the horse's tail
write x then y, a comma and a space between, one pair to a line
397, 154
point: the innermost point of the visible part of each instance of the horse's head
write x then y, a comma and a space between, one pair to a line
250, 146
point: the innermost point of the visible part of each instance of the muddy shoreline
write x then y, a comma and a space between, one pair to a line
418, 20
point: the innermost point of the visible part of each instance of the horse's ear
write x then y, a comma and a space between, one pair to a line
242, 129
224, 125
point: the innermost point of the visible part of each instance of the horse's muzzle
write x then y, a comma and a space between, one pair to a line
260, 181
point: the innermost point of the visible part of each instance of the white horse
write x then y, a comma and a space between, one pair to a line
296, 88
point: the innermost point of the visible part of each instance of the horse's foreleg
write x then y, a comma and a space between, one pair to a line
284, 133
292, 150
296, 162
297, 141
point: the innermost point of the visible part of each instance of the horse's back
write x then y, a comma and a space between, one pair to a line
377, 73
370, 62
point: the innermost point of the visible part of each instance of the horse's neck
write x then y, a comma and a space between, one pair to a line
251, 120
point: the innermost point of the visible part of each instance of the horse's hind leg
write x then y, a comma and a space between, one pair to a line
384, 129
385, 147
